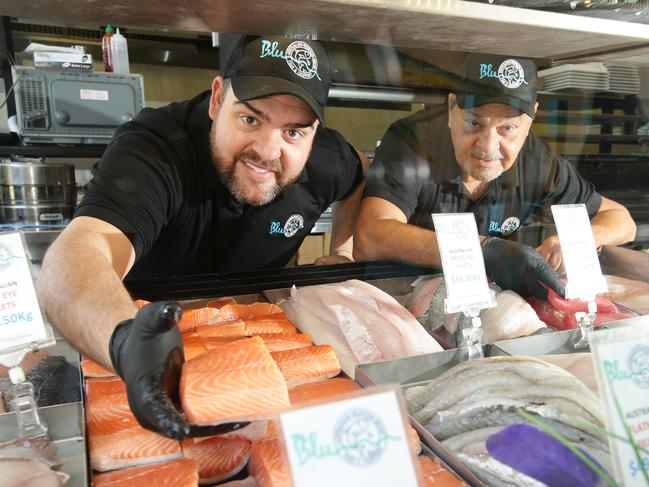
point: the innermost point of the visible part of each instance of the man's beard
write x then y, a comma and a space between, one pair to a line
246, 192
481, 173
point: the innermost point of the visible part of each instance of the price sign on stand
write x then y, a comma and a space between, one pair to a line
621, 358
356, 441
21, 320
464, 271
585, 279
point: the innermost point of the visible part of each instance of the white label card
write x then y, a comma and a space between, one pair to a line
464, 271
622, 360
21, 321
97, 95
355, 441
585, 279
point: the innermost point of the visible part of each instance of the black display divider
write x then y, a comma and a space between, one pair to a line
249, 282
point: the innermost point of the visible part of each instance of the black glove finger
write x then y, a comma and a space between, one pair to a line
196, 431
158, 317
155, 411
548, 276
537, 290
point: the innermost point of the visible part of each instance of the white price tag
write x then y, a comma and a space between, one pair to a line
463, 263
585, 279
356, 441
622, 362
21, 321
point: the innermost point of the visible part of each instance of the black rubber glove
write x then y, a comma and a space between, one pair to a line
147, 352
520, 268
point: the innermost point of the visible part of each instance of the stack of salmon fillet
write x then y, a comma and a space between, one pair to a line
243, 363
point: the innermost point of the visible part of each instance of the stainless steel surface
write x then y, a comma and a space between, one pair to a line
394, 95
414, 370
546, 344
36, 193
442, 24
447, 458
66, 430
35, 174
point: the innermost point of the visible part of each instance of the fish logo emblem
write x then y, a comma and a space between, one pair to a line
360, 436
293, 225
6, 256
510, 225
639, 365
302, 60
511, 74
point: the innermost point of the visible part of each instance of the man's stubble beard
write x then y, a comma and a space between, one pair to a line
484, 174
239, 190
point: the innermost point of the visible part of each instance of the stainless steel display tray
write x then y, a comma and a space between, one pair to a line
66, 431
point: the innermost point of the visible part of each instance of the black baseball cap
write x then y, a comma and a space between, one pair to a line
491, 78
260, 66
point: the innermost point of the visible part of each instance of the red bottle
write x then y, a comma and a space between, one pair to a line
105, 49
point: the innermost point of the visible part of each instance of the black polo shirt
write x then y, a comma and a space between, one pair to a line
415, 169
157, 183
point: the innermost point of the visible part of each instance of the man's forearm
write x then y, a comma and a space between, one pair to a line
83, 297
386, 239
613, 227
342, 223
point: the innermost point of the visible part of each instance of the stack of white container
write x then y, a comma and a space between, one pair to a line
592, 77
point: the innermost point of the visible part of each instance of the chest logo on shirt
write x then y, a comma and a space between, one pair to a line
509, 226
293, 224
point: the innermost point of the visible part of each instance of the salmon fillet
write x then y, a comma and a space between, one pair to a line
235, 328
129, 448
93, 369
193, 345
215, 342
317, 391
104, 385
217, 458
220, 302
310, 364
236, 382
268, 465
269, 324
192, 319
254, 310
140, 303
435, 475
177, 473
109, 413
277, 342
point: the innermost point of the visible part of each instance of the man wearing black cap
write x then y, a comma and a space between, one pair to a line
231, 180
478, 155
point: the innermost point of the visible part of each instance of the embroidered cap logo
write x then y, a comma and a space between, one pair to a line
302, 60
511, 74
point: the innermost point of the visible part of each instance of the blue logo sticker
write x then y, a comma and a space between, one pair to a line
299, 56
360, 437
294, 224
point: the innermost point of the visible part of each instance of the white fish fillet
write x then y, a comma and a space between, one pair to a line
512, 318
362, 323
29, 473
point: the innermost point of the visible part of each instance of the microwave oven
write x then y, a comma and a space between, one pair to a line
68, 107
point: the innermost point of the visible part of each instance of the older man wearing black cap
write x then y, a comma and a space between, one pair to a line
231, 180
478, 155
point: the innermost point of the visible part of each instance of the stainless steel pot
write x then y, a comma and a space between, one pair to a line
36, 193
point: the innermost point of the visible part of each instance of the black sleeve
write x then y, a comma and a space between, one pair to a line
343, 158
396, 172
135, 187
566, 186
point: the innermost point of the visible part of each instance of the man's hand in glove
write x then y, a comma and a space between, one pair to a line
519, 267
147, 353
